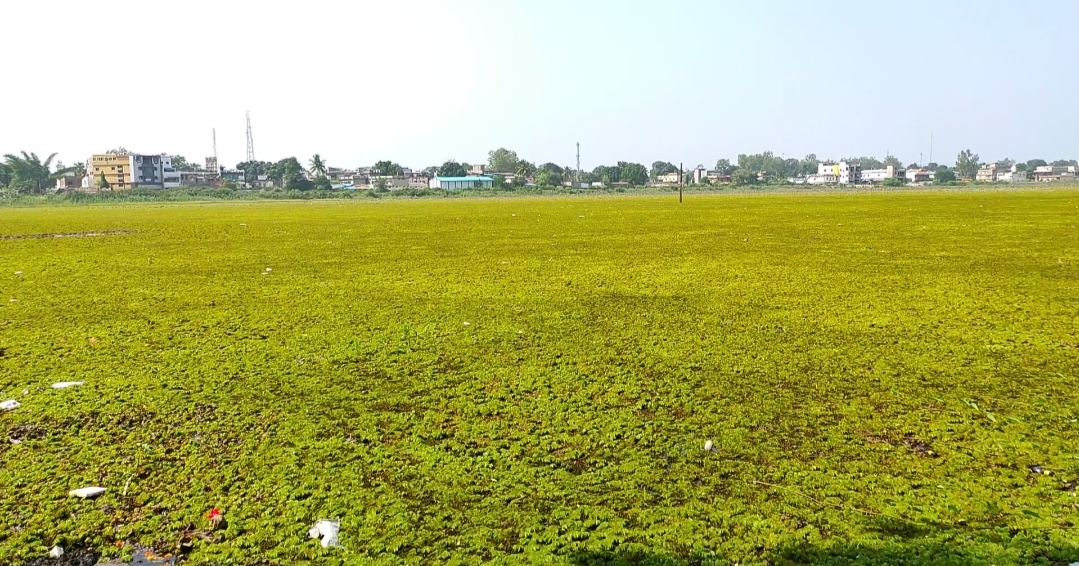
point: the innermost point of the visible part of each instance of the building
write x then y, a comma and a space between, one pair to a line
123, 172
702, 175
881, 175
670, 178
997, 173
919, 175
69, 183
238, 176
170, 176
844, 172
477, 170
822, 179
1050, 173
470, 182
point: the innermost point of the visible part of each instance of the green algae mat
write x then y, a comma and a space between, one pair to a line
885, 379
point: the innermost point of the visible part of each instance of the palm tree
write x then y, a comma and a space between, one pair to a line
30, 174
318, 166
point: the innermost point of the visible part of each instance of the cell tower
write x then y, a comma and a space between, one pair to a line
577, 179
250, 139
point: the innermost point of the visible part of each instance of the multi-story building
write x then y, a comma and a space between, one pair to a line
1049, 173
996, 172
171, 178
919, 175
123, 172
844, 172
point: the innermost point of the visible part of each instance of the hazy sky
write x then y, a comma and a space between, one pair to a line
421, 81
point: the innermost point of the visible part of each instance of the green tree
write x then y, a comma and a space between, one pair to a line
660, 168
810, 165
289, 174
1065, 163
633, 173
967, 164
388, 169
893, 161
452, 168
744, 176
180, 163
606, 175
503, 160
1035, 163
32, 175
380, 186
524, 170
322, 183
725, 167
894, 182
944, 176
318, 166
546, 178
5, 175
102, 182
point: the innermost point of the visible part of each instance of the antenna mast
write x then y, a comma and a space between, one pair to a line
577, 179
216, 162
250, 139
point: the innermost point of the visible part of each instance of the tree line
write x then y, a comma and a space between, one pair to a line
26, 173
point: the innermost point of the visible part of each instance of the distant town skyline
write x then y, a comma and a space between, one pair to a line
422, 81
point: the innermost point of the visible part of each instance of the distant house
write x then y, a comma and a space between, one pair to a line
881, 175
477, 170
919, 175
1050, 173
672, 178
469, 182
995, 172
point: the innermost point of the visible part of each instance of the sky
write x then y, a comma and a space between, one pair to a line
423, 81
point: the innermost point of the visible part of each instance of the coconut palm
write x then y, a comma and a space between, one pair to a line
318, 166
30, 174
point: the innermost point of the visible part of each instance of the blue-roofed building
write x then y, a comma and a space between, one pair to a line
470, 182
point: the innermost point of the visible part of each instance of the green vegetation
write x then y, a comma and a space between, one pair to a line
887, 379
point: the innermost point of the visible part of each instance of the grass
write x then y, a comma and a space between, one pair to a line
531, 381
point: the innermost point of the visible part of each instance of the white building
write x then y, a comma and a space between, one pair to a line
919, 175
470, 182
881, 175
170, 177
845, 173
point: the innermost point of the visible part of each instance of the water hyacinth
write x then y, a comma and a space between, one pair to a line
847, 371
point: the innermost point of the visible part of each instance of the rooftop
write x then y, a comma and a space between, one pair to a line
469, 178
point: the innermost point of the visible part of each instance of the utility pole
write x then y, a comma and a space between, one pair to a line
930, 147
216, 163
681, 181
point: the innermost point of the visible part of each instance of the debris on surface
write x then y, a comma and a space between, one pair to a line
71, 557
709, 446
143, 557
1040, 470
216, 518
66, 384
326, 530
18, 273
9, 405
87, 492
